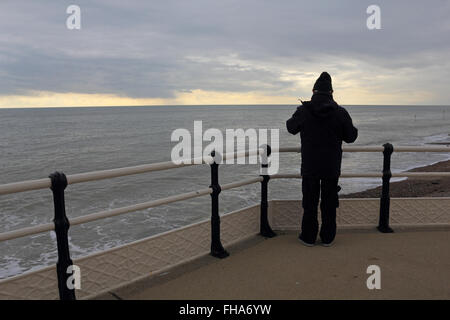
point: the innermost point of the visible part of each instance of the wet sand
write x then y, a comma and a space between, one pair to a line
414, 187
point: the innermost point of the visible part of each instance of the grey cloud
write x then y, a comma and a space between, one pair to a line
142, 48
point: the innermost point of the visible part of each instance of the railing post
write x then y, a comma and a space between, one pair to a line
383, 224
59, 183
217, 249
265, 230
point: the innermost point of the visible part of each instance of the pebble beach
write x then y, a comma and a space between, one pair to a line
414, 187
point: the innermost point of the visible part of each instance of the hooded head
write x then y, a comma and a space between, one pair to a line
322, 104
323, 84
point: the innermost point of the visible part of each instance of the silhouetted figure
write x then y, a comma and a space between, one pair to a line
323, 125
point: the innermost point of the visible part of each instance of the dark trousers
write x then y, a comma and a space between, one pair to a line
327, 190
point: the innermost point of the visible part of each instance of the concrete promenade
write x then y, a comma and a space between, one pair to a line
414, 265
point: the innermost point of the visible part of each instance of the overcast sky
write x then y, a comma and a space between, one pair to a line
222, 52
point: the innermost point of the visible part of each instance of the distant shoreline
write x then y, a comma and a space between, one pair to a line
414, 187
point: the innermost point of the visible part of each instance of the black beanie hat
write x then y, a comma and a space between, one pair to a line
323, 83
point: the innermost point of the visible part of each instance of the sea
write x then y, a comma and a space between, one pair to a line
35, 142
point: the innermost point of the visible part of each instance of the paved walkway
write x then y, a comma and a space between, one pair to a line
414, 265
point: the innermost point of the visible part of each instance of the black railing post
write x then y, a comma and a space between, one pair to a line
59, 183
217, 249
383, 224
264, 228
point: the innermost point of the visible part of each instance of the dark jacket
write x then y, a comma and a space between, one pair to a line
323, 125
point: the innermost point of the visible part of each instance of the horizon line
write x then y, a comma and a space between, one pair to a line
230, 105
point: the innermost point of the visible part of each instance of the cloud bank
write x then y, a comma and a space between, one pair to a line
183, 52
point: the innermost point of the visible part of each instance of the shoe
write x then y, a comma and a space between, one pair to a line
305, 243
324, 244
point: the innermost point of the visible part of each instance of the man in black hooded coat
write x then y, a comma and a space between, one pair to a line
323, 125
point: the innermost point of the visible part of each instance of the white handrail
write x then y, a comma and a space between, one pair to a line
421, 149
374, 149
238, 184
25, 186
189, 195
139, 206
120, 172
88, 176
371, 175
26, 231
114, 212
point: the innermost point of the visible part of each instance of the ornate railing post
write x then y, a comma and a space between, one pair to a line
59, 183
217, 249
383, 224
264, 228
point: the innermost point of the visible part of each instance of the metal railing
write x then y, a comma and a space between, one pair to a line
58, 182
